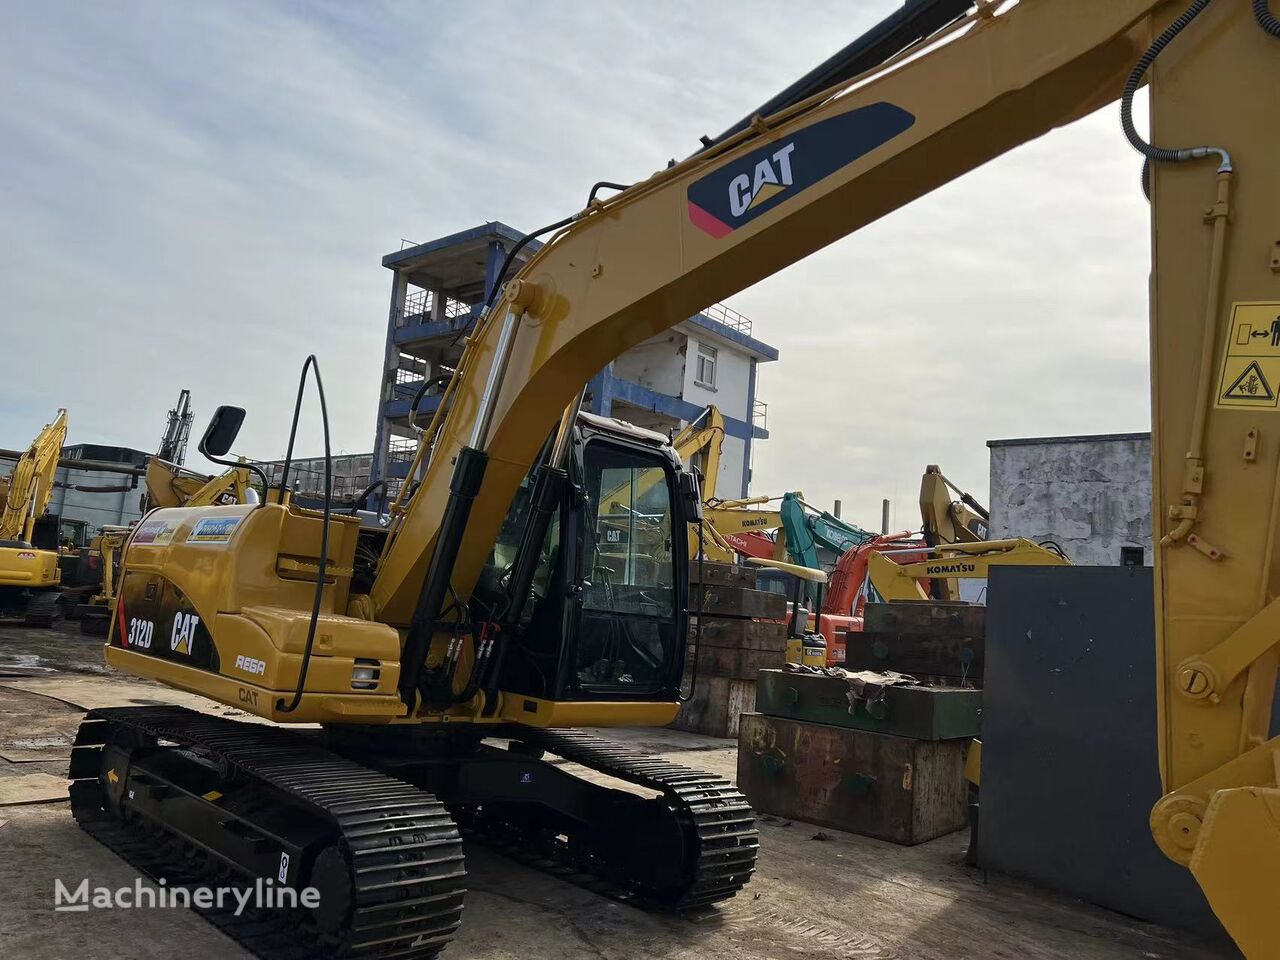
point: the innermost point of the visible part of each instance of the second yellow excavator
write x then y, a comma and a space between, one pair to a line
29, 573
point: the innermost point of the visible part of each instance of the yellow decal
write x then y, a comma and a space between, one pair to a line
1251, 358
113, 776
212, 795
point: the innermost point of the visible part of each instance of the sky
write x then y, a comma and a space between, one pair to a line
199, 195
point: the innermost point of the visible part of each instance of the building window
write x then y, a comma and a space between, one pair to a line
705, 374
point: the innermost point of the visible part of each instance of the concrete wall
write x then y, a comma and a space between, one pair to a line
658, 363
1091, 495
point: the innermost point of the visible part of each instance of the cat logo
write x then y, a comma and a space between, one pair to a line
184, 631
728, 197
771, 176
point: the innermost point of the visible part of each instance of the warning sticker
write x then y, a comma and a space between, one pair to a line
1251, 360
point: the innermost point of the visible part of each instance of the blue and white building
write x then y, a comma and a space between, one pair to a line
437, 290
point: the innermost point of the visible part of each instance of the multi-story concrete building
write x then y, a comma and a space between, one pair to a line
437, 292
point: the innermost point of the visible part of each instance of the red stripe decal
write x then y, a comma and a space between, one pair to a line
707, 223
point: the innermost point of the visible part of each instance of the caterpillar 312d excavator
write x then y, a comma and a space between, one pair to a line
509, 602
29, 573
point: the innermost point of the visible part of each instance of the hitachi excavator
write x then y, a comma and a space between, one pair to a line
503, 608
29, 574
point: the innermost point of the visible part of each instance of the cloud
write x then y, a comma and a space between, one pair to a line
199, 196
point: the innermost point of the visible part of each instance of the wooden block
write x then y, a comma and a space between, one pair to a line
922, 713
723, 574
737, 663
927, 617
716, 706
921, 656
892, 788
739, 634
722, 601
31, 788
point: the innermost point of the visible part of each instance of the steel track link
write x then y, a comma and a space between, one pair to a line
402, 850
718, 822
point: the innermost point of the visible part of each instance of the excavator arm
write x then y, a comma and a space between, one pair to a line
171, 485
635, 264
893, 581
949, 520
31, 482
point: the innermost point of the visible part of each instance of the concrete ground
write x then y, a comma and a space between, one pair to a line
820, 894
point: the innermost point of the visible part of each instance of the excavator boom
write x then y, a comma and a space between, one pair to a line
31, 482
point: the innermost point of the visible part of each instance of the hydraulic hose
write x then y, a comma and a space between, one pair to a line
312, 364
1268, 22
1148, 150
520, 245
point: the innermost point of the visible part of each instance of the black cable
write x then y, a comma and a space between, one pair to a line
363, 496
1269, 23
606, 184
1148, 150
515, 249
440, 380
251, 467
520, 244
1053, 547
313, 364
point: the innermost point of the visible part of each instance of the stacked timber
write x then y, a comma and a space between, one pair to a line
872, 753
735, 632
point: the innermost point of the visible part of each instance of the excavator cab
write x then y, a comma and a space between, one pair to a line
605, 616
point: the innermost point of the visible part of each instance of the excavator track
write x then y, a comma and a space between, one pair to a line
390, 871
42, 608
719, 837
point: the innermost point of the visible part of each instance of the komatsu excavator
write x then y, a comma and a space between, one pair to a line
506, 602
29, 573
954, 534
900, 574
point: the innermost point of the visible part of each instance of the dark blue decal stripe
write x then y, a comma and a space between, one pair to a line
739, 192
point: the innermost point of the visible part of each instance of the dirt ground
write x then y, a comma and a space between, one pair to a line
820, 894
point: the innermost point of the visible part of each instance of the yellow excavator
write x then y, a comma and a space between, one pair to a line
955, 548
168, 485
700, 445
29, 573
486, 614
947, 563
961, 519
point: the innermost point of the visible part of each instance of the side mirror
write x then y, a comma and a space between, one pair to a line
221, 432
691, 492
